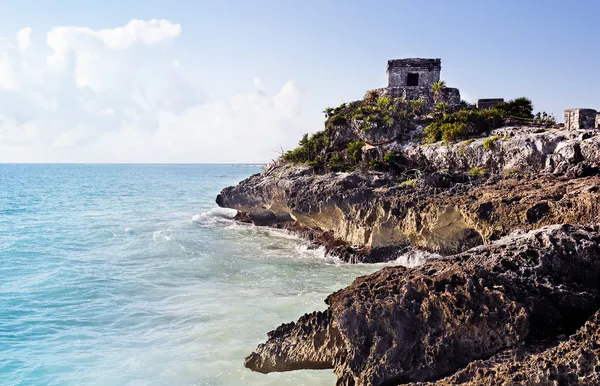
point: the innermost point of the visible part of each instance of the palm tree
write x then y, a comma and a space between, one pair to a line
328, 112
437, 89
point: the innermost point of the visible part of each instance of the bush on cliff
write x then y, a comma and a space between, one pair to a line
461, 124
310, 150
516, 108
355, 151
373, 111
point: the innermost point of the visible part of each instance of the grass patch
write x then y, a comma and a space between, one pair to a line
512, 172
489, 142
412, 183
476, 172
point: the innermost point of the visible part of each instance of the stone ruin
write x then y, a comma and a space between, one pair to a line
485, 104
582, 119
412, 79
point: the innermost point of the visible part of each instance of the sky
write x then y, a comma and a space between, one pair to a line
225, 81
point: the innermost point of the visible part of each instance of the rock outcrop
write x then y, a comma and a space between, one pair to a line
530, 177
373, 211
574, 362
423, 324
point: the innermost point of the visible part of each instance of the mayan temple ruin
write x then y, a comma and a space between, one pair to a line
412, 79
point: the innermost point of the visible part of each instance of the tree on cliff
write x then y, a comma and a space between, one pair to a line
437, 89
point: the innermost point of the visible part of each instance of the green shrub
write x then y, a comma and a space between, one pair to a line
373, 111
512, 172
376, 164
453, 131
516, 108
336, 162
489, 142
461, 124
310, 150
355, 151
544, 118
412, 183
476, 172
468, 141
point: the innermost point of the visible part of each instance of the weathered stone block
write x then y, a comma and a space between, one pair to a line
580, 119
597, 121
484, 104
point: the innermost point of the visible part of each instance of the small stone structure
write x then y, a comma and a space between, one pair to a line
416, 72
597, 121
581, 119
485, 104
412, 79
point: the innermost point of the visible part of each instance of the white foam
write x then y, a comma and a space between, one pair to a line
414, 258
213, 217
162, 235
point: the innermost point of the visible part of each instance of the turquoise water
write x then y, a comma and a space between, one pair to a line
130, 275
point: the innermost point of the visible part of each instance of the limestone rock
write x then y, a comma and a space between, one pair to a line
575, 362
402, 325
371, 210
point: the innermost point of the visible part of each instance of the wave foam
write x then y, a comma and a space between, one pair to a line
414, 258
214, 217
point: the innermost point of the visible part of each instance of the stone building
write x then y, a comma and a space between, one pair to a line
412, 79
581, 119
484, 104
416, 72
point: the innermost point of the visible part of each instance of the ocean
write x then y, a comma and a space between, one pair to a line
131, 275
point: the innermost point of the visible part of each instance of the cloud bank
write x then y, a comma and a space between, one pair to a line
119, 95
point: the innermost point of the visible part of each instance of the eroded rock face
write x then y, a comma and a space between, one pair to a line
574, 362
403, 325
374, 211
554, 181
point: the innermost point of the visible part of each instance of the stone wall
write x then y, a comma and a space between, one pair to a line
449, 95
427, 69
484, 104
598, 121
580, 119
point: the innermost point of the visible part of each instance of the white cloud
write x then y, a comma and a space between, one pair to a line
24, 38
118, 95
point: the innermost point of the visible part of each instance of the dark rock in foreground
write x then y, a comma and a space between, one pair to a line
575, 362
403, 325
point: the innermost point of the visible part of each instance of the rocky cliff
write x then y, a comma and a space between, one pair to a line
526, 180
403, 325
507, 301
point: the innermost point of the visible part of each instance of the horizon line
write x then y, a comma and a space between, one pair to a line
133, 163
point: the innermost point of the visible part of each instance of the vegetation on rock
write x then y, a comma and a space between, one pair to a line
461, 124
489, 142
309, 150
476, 172
373, 111
516, 108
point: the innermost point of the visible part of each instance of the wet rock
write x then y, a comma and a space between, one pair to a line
402, 325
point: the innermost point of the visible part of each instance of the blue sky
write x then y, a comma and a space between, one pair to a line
330, 51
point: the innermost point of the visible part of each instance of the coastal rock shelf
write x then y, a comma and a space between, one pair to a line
508, 203
402, 325
373, 211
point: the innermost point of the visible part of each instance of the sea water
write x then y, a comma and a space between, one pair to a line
131, 275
